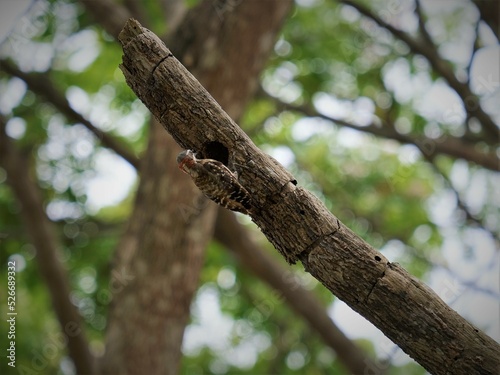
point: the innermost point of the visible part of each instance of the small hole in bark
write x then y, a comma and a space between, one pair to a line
216, 150
377, 258
294, 182
302, 212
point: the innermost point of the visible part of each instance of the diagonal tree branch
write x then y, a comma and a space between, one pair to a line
42, 85
470, 101
447, 145
233, 236
42, 235
298, 224
490, 13
421, 24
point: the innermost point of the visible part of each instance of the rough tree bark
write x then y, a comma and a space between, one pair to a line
155, 272
298, 224
231, 234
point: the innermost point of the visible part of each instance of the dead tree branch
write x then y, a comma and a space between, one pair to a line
233, 235
299, 225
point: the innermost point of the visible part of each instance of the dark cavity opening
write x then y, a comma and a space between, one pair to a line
217, 151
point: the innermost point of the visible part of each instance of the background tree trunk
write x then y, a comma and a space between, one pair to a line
226, 45
157, 267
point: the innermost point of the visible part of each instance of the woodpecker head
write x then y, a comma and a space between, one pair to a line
186, 160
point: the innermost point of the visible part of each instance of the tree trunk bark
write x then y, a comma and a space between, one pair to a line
159, 256
156, 269
299, 225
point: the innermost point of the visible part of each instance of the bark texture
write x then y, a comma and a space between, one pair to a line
231, 234
299, 225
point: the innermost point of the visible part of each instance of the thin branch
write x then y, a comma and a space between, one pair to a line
48, 258
236, 238
470, 101
475, 47
111, 15
421, 23
429, 148
41, 85
490, 13
472, 284
460, 203
448, 145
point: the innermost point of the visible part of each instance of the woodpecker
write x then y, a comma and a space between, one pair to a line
216, 181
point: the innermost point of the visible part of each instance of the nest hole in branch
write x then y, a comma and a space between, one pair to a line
217, 151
